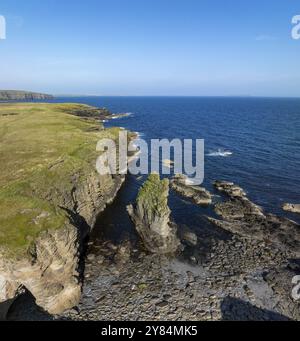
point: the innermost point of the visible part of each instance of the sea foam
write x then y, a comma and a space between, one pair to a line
221, 153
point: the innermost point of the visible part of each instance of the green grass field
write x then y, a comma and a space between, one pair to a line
41, 148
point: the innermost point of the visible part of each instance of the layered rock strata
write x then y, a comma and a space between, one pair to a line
151, 216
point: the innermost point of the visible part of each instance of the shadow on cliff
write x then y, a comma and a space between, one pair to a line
83, 237
24, 308
234, 309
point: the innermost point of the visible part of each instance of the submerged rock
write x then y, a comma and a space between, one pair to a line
294, 208
197, 194
243, 217
151, 216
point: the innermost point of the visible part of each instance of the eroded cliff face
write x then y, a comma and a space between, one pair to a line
50, 272
50, 196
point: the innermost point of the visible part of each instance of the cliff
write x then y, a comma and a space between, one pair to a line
49, 198
14, 95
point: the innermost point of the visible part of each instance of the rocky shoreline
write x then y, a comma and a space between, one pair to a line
238, 280
241, 277
242, 268
238, 277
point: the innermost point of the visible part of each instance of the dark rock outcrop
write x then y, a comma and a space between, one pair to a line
151, 216
243, 217
197, 194
91, 112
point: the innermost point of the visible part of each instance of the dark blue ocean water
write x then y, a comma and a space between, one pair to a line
262, 133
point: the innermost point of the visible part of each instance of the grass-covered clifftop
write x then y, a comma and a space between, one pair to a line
15, 95
42, 149
154, 194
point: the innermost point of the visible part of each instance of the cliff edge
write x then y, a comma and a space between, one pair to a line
50, 195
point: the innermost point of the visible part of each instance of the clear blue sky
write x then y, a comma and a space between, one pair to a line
151, 47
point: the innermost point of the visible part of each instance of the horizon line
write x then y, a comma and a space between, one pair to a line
188, 96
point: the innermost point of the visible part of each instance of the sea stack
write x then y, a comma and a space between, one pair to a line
151, 216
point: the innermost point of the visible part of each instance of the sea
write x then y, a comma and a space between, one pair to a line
253, 142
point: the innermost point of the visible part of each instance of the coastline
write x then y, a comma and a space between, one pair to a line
56, 291
225, 275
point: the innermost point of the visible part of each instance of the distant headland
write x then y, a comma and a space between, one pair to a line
15, 95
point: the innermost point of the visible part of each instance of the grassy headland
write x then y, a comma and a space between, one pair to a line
42, 147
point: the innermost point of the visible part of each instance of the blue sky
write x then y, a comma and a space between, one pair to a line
151, 47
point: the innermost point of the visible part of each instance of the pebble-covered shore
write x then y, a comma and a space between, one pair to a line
244, 271
238, 280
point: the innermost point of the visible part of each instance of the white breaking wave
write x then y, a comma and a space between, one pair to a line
139, 135
120, 116
221, 152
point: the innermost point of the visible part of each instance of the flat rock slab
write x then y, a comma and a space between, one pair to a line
241, 216
198, 195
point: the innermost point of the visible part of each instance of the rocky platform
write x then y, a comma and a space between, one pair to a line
197, 194
243, 217
239, 279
